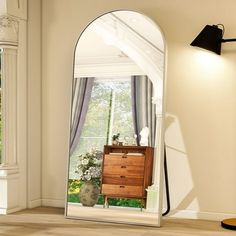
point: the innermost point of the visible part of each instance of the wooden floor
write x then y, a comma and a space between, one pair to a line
51, 221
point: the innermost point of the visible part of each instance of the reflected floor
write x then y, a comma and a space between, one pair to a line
112, 214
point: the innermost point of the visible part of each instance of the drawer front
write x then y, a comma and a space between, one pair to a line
123, 170
124, 160
122, 180
122, 190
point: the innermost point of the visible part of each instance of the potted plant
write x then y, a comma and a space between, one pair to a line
89, 167
115, 139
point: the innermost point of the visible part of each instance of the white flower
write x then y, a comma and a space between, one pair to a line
85, 162
95, 171
89, 165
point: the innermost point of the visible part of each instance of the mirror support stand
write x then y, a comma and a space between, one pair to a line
167, 184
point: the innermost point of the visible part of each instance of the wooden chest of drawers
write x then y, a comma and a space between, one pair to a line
126, 172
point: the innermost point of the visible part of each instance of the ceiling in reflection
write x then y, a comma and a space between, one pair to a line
123, 24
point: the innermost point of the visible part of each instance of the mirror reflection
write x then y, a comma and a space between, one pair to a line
116, 139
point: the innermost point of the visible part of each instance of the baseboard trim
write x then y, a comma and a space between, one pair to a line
4, 211
53, 203
35, 203
187, 214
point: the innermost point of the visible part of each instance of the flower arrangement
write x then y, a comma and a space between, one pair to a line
89, 166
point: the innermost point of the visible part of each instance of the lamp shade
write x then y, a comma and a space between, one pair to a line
210, 38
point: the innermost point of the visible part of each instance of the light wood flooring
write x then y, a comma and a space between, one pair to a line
51, 221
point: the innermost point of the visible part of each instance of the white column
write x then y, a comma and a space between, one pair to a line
9, 112
10, 178
9, 169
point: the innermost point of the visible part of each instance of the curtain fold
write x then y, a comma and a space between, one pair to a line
142, 107
81, 94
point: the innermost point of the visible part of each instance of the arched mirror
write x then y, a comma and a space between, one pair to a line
116, 142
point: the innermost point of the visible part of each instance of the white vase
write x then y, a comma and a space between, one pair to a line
115, 142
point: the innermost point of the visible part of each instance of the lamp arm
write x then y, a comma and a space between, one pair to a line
228, 40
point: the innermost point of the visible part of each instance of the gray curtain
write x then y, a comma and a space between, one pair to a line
81, 94
142, 107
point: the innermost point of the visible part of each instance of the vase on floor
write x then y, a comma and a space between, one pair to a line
88, 194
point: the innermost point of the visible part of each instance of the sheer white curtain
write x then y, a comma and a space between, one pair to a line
81, 95
142, 107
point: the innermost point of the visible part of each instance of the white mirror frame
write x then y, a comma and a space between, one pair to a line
149, 61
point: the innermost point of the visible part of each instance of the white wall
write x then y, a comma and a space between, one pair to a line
201, 99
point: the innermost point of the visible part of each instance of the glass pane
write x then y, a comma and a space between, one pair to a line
123, 119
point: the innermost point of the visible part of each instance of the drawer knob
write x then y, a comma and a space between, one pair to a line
122, 176
122, 186
123, 166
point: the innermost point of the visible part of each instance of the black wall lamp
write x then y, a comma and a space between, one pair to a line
210, 38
